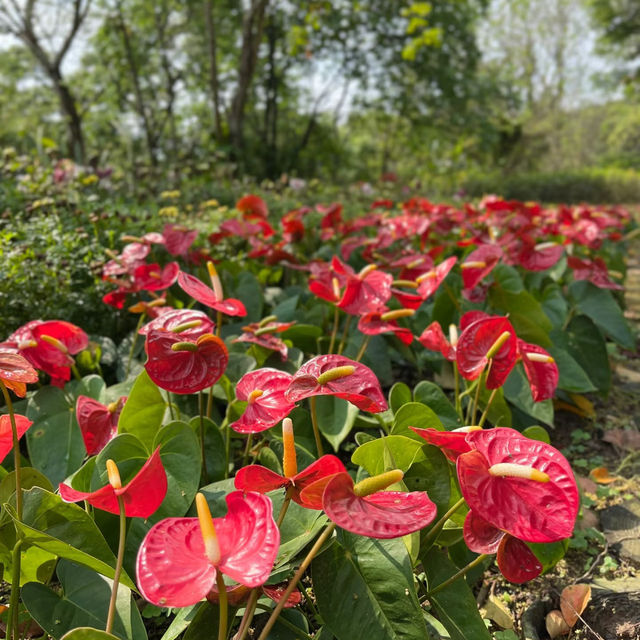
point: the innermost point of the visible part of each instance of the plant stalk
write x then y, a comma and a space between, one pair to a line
437, 527
223, 606
314, 423
119, 561
249, 610
460, 573
363, 348
296, 578
334, 332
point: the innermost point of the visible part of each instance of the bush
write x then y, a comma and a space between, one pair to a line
597, 186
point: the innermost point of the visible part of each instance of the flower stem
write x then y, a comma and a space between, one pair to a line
250, 609
345, 332
456, 377
334, 332
223, 606
247, 449
363, 348
314, 423
283, 621
285, 506
119, 561
210, 402
485, 413
170, 405
16, 448
326, 534
14, 601
460, 573
202, 453
218, 323
437, 527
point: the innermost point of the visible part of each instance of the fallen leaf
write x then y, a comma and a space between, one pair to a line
627, 439
556, 625
601, 475
496, 610
573, 601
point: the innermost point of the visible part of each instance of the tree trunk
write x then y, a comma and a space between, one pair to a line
214, 85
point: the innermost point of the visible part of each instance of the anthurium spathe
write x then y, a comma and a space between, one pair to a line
263, 390
264, 334
367, 510
152, 277
377, 322
179, 558
142, 495
207, 296
332, 374
433, 338
492, 338
540, 369
6, 433
187, 323
178, 239
367, 291
98, 422
429, 282
184, 366
16, 373
521, 486
451, 443
479, 263
516, 561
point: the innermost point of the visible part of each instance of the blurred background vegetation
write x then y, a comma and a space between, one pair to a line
532, 99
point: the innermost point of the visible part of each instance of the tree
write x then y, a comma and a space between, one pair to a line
25, 22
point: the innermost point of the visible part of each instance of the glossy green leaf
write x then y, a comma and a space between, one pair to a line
205, 622
143, 412
414, 414
431, 475
401, 452
92, 386
214, 447
455, 606
54, 440
335, 418
435, 398
88, 633
536, 432
282, 631
303, 336
398, 395
600, 305
572, 377
518, 391
364, 589
64, 530
586, 344
525, 314
549, 553
239, 364
36, 565
180, 622
84, 602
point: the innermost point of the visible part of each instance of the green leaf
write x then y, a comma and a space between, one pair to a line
572, 376
402, 451
36, 565
518, 392
88, 633
205, 623
143, 411
282, 631
303, 336
64, 530
180, 455
180, 622
455, 605
414, 414
239, 364
335, 418
554, 304
499, 413
525, 314
508, 277
549, 553
588, 347
249, 291
54, 441
436, 399
92, 386
536, 432
600, 305
398, 395
431, 475
214, 447
84, 602
364, 589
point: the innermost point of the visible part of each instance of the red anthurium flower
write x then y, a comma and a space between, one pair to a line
433, 338
332, 374
521, 486
451, 443
153, 309
263, 390
407, 300
263, 334
179, 558
16, 373
116, 299
208, 297
595, 271
541, 370
377, 322
367, 291
186, 323
132, 256
538, 257
516, 561
6, 433
142, 495
151, 277
480, 263
252, 207
98, 422
256, 478
178, 239
327, 280
49, 345
184, 366
490, 339
238, 594
429, 282
379, 514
